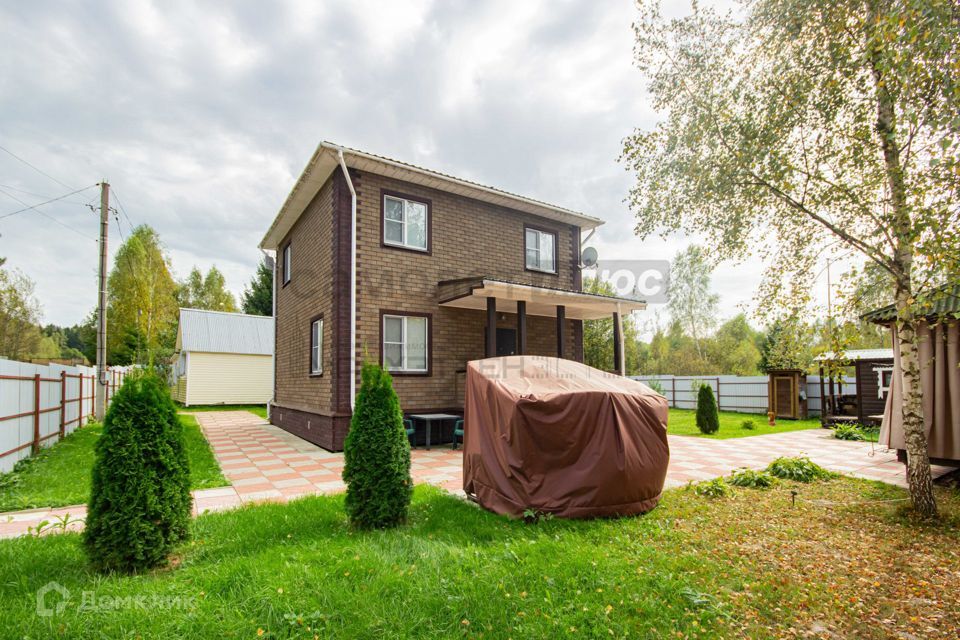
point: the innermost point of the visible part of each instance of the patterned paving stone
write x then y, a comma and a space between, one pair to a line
264, 463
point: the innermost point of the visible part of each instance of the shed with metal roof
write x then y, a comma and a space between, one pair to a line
223, 358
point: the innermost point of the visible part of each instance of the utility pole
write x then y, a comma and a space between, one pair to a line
100, 406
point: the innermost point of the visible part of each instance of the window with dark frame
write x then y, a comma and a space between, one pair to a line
405, 343
405, 223
286, 263
540, 250
316, 346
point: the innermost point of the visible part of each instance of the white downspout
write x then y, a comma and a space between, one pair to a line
353, 278
273, 354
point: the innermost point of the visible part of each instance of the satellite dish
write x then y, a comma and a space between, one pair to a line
589, 257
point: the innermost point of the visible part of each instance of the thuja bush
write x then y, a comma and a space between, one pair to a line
377, 455
140, 495
708, 418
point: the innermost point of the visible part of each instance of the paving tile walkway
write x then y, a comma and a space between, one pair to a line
263, 462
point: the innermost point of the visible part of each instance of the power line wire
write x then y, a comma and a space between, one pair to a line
113, 191
45, 215
34, 193
40, 171
33, 207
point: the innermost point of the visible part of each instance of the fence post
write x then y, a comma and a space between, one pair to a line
718, 392
673, 390
36, 413
63, 404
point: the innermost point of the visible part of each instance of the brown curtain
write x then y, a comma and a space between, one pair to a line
939, 348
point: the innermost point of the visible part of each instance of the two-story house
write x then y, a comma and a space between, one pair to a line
379, 260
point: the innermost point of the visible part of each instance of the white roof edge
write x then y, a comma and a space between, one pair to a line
855, 354
473, 189
228, 313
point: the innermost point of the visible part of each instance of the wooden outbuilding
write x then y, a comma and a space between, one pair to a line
873, 373
787, 393
223, 358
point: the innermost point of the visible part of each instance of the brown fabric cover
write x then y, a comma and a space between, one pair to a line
939, 348
559, 437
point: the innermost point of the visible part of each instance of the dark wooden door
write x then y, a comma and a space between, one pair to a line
506, 342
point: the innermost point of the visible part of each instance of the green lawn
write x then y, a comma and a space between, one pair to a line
60, 475
747, 566
683, 422
258, 409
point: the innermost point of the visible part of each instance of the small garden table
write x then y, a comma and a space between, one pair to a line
429, 419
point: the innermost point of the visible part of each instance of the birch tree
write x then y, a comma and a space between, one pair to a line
688, 295
796, 129
142, 305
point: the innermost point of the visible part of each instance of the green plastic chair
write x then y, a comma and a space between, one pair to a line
408, 427
457, 432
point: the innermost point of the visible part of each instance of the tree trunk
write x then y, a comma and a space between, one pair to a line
914, 431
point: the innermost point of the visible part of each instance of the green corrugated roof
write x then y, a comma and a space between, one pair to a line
940, 303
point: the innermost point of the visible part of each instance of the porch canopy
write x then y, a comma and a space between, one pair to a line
475, 292
495, 295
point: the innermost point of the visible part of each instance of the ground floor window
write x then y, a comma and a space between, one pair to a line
316, 346
405, 343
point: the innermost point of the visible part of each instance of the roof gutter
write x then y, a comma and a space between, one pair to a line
353, 278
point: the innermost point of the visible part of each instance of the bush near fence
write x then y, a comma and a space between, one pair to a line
40, 404
744, 394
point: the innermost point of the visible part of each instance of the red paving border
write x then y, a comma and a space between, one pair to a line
263, 462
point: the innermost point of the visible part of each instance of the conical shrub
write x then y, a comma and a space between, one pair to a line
377, 455
140, 497
708, 418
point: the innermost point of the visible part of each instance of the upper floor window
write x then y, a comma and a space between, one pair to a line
405, 223
405, 343
541, 250
286, 263
316, 346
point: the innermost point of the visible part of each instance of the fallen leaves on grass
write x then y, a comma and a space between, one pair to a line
840, 563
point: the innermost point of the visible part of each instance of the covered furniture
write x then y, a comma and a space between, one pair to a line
557, 436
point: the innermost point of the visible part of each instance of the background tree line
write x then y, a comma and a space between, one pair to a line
144, 299
695, 342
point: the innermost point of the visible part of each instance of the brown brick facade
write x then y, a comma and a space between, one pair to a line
467, 238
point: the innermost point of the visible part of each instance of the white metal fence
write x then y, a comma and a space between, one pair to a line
40, 404
746, 394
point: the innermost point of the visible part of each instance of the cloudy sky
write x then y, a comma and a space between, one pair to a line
201, 117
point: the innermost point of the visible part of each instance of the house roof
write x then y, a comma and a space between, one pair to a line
473, 292
856, 354
221, 332
942, 302
325, 161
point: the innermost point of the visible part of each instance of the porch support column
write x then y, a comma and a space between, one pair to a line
561, 322
617, 344
491, 347
521, 327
